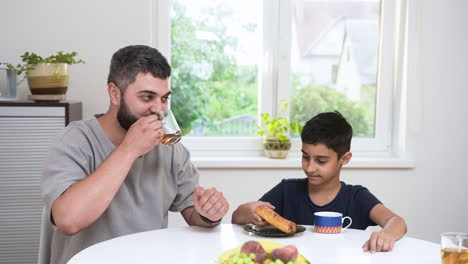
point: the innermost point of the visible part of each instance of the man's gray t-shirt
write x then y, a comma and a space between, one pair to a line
160, 181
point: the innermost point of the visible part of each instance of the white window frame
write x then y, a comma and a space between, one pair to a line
384, 150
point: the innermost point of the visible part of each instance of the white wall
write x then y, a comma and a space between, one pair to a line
433, 197
94, 29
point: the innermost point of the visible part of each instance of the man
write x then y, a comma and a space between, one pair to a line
110, 176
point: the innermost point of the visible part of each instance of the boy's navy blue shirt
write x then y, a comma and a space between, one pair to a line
291, 199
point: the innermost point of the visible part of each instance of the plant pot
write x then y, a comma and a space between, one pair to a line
275, 149
49, 79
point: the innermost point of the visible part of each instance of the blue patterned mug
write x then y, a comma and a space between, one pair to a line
330, 222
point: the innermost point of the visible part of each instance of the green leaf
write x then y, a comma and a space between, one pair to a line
32, 59
278, 127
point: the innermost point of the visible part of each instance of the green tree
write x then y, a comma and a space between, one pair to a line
312, 99
186, 87
207, 83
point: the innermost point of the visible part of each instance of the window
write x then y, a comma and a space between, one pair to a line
334, 59
215, 47
335, 65
235, 59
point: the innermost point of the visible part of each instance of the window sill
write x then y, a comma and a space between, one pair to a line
295, 163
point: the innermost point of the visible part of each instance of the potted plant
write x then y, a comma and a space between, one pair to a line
47, 77
276, 133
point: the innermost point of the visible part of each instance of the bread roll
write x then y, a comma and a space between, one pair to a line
275, 219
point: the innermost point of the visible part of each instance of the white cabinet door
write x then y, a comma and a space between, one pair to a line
25, 135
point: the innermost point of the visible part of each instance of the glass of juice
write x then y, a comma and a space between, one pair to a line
454, 248
172, 133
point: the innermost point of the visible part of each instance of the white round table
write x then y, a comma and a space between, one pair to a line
204, 245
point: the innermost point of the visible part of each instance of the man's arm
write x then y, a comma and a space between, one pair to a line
393, 228
209, 204
85, 201
192, 217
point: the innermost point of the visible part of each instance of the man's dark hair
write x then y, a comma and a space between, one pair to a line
127, 62
330, 129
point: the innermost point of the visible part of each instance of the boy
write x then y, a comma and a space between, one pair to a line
326, 140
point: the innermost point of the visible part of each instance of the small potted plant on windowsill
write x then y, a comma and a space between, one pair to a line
47, 77
276, 133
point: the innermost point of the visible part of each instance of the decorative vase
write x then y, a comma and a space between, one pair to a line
48, 81
275, 149
7, 83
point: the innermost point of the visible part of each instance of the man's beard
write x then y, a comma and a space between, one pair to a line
126, 119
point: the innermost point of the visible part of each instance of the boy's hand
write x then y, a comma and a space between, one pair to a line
255, 218
393, 228
379, 241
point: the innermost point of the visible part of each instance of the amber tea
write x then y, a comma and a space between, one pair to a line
454, 256
171, 139
454, 248
172, 133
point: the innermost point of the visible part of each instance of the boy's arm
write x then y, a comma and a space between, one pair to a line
393, 228
245, 214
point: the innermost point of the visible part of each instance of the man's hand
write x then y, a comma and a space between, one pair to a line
210, 203
379, 241
143, 135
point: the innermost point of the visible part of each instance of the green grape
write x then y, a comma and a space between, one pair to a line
279, 261
241, 258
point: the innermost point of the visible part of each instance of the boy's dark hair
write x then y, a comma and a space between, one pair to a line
127, 62
330, 129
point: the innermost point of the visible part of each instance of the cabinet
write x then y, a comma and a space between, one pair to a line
26, 130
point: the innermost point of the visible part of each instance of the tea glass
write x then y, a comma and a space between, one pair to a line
172, 133
454, 247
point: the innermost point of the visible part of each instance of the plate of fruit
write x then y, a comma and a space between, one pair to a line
262, 252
